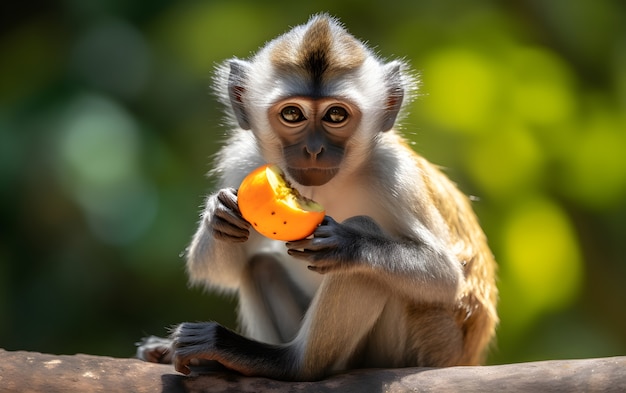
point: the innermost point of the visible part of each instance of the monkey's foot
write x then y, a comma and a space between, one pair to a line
155, 349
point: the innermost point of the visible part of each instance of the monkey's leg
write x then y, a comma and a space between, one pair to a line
271, 305
436, 338
346, 309
342, 314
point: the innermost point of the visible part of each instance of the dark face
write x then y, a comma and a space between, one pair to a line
314, 133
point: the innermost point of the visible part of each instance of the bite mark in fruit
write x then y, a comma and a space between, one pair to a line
274, 208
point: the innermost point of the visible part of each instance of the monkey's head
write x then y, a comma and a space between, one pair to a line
316, 98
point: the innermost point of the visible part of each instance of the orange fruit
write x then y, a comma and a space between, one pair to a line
275, 209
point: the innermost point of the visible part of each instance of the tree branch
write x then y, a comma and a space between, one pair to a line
35, 372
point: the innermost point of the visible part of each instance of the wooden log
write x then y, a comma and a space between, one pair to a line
35, 372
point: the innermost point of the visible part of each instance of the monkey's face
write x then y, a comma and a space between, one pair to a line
315, 100
314, 133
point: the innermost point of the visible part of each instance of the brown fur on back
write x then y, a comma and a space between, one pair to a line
476, 307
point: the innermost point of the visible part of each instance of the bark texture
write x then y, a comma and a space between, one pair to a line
36, 372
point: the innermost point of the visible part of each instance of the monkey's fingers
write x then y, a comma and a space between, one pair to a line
311, 256
225, 230
314, 244
228, 198
319, 262
155, 349
328, 220
300, 254
298, 244
182, 365
191, 343
323, 268
230, 214
225, 206
324, 231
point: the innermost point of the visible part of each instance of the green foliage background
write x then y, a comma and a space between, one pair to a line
107, 127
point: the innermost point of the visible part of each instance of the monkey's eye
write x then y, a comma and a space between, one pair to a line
336, 115
292, 114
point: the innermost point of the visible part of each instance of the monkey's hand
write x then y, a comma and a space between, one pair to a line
337, 246
223, 218
202, 347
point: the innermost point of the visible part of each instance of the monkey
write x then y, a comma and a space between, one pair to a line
399, 272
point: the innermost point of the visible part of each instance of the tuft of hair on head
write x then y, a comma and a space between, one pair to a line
323, 49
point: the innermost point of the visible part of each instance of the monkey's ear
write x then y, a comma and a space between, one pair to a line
395, 94
236, 89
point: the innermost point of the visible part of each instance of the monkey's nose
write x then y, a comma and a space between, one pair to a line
313, 151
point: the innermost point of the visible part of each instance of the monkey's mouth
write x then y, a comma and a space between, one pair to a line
312, 176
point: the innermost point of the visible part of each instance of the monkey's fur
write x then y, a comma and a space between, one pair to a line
398, 274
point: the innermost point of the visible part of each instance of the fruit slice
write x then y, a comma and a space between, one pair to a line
275, 209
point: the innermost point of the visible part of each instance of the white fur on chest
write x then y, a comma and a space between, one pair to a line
343, 200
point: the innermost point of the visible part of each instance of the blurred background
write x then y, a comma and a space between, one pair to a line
107, 125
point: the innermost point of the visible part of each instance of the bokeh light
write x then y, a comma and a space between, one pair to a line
541, 262
98, 163
108, 126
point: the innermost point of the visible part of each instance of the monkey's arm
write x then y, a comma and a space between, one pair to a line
421, 268
216, 255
